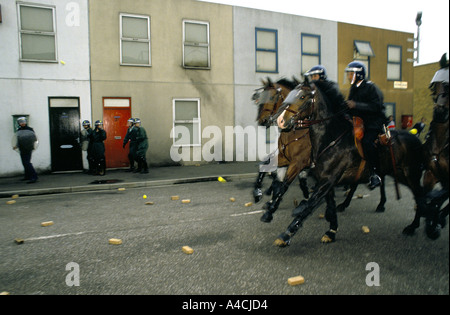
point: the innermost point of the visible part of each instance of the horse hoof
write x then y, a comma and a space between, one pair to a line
282, 241
267, 217
433, 233
328, 237
380, 209
257, 194
409, 230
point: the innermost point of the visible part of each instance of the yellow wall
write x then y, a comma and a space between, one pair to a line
379, 40
423, 103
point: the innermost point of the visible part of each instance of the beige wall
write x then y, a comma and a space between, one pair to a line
152, 89
379, 40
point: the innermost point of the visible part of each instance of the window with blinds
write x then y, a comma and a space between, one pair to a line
196, 45
135, 44
37, 31
266, 50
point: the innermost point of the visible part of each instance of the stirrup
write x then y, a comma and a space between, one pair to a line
375, 181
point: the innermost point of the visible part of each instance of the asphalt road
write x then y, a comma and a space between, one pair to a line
233, 250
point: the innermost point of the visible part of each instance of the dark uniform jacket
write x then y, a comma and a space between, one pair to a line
98, 147
369, 105
26, 139
142, 142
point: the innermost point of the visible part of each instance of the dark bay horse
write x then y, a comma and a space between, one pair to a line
436, 154
269, 98
337, 160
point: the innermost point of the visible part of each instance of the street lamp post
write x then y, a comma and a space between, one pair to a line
417, 39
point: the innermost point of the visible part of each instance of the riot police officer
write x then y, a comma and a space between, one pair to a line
98, 148
365, 100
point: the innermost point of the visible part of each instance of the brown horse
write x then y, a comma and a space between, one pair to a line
436, 153
269, 98
337, 160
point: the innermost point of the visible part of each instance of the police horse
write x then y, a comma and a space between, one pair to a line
436, 154
294, 146
337, 160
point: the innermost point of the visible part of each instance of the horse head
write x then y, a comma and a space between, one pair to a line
298, 106
269, 98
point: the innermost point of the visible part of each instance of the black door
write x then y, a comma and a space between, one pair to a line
65, 138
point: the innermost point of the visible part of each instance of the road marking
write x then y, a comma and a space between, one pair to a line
53, 236
246, 213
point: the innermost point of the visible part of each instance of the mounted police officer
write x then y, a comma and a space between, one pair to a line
131, 137
86, 144
98, 148
365, 100
318, 76
26, 141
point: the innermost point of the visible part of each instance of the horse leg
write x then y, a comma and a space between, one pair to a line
434, 202
348, 199
303, 181
280, 187
301, 213
257, 192
331, 217
269, 191
380, 207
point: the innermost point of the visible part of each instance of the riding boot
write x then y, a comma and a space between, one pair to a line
375, 179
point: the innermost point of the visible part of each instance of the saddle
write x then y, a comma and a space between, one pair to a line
358, 133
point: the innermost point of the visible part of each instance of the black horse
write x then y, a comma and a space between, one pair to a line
338, 162
436, 153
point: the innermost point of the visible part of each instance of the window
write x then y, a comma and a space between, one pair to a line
186, 122
394, 63
135, 49
266, 50
310, 51
37, 33
389, 109
362, 52
196, 50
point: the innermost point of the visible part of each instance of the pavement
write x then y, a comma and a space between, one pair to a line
69, 182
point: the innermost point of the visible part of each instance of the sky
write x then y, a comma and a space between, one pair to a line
398, 15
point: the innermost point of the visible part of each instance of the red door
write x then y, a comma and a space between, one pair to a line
115, 116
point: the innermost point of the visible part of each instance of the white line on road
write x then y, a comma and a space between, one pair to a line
247, 213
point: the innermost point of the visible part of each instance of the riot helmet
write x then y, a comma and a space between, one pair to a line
320, 70
359, 70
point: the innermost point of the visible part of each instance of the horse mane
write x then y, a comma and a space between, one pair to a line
287, 83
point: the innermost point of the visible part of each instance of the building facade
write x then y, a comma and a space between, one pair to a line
44, 76
385, 54
169, 63
186, 68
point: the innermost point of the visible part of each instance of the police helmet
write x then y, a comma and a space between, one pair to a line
21, 120
99, 122
320, 70
137, 121
358, 68
86, 123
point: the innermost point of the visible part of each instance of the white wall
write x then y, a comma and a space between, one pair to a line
26, 86
290, 28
